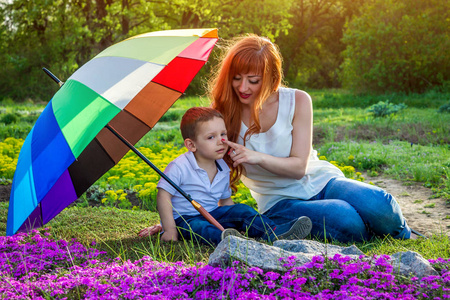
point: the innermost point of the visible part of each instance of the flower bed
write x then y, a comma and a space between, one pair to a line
37, 267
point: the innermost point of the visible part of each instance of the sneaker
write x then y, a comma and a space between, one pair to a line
232, 232
301, 228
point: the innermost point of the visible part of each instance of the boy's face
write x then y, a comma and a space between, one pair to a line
208, 144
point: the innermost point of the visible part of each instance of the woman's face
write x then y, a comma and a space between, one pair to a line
247, 87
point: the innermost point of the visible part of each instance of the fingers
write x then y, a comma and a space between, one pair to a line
143, 232
150, 230
230, 144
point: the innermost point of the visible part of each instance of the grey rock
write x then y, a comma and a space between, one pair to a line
407, 263
267, 257
313, 248
253, 253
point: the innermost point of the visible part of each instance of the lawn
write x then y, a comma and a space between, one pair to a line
108, 258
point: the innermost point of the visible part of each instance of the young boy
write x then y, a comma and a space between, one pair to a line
204, 175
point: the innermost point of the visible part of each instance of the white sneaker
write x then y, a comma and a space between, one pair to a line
232, 232
301, 228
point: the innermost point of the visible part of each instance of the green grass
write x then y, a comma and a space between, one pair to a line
342, 128
418, 126
337, 98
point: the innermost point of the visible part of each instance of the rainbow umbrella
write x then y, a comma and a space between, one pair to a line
127, 88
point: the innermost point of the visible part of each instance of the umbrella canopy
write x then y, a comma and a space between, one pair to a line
129, 86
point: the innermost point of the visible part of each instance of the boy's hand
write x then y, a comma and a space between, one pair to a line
150, 230
170, 235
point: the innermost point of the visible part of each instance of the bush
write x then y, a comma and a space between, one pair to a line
445, 108
9, 118
385, 109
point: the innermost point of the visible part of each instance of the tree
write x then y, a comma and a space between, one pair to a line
312, 47
62, 35
401, 45
65, 34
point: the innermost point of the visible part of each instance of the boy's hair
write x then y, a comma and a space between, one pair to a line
196, 115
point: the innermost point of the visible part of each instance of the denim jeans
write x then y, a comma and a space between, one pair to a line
346, 210
239, 216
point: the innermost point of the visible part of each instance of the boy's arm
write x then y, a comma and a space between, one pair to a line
164, 206
226, 202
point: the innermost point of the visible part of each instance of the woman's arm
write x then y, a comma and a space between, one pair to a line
295, 165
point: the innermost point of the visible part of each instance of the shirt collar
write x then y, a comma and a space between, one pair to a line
221, 165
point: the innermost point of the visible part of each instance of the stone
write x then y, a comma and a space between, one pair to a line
252, 253
313, 248
407, 263
267, 257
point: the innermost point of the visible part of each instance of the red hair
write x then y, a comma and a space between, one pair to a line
244, 55
192, 117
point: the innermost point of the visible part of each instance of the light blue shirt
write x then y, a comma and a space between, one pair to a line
193, 180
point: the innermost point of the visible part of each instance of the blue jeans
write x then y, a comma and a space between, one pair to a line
239, 216
346, 210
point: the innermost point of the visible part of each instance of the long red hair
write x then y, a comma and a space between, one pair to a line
244, 55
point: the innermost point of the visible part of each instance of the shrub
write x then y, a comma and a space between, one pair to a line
9, 118
445, 108
385, 109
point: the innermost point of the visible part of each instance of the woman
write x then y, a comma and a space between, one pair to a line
270, 133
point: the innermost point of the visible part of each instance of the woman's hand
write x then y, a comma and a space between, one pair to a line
240, 154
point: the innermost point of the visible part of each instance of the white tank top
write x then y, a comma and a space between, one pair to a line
268, 188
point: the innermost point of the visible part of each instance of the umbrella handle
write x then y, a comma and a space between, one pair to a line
206, 215
194, 203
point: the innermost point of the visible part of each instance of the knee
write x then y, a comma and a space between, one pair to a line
245, 209
342, 223
386, 212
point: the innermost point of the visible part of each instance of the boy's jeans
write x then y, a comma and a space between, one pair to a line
239, 216
346, 210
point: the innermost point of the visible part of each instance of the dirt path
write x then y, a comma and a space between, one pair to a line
425, 215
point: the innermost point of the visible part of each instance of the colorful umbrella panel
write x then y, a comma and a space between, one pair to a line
129, 86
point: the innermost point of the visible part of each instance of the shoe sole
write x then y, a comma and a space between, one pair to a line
233, 233
301, 228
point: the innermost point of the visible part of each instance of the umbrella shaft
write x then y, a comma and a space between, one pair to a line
142, 156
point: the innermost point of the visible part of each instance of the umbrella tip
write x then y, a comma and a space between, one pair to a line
52, 76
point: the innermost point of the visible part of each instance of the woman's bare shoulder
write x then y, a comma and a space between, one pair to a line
302, 99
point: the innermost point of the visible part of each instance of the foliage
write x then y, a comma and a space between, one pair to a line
312, 47
445, 108
63, 35
9, 118
385, 109
398, 46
